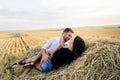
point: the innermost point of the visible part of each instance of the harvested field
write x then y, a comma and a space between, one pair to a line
100, 61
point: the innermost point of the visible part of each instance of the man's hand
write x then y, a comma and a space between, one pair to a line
46, 58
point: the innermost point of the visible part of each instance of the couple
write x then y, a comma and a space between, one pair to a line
56, 52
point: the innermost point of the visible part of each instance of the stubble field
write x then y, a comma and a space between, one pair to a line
100, 61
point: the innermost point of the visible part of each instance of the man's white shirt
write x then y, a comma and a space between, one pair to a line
53, 43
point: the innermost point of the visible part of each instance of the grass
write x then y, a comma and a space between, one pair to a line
100, 61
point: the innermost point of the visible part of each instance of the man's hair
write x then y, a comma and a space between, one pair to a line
68, 30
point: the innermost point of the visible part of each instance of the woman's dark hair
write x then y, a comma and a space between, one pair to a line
78, 46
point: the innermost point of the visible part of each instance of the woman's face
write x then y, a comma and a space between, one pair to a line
71, 44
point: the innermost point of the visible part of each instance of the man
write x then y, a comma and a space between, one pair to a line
47, 51
55, 43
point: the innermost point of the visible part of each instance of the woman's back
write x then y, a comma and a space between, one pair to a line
62, 56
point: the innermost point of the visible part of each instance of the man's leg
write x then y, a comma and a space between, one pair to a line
37, 57
34, 58
37, 66
44, 67
26, 71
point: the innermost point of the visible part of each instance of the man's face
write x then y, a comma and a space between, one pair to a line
67, 36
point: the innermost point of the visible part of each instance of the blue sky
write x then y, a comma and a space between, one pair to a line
39, 14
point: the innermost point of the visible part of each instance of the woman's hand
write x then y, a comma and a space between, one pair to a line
62, 42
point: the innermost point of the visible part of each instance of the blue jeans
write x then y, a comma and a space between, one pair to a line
46, 67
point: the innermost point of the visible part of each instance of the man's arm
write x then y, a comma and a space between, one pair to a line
62, 42
45, 55
44, 52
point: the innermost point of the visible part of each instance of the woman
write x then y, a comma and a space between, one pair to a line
59, 57
67, 55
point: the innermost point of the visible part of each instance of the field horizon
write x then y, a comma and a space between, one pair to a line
46, 29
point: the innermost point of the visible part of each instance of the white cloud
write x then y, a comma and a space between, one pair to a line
1, 7
52, 13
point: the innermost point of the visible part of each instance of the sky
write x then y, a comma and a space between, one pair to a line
43, 14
